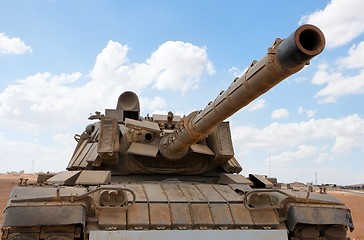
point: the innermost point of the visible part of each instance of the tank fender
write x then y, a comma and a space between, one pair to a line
28, 216
318, 216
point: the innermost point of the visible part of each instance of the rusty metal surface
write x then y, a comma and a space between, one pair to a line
154, 193
318, 215
108, 141
174, 206
180, 216
44, 215
260, 181
142, 149
187, 206
210, 193
232, 166
94, 177
201, 216
160, 217
175, 177
228, 193
200, 142
221, 141
86, 150
203, 149
264, 217
173, 193
111, 216
190, 234
64, 178
138, 189
39, 192
283, 59
191, 193
146, 125
226, 178
91, 156
190, 206
241, 215
138, 216
222, 216
312, 196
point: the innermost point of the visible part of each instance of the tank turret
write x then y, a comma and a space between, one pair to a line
200, 142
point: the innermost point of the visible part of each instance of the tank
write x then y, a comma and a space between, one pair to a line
176, 177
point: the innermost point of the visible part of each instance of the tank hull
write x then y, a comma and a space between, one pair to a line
162, 207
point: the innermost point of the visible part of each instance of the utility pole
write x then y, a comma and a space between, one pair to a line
270, 164
316, 178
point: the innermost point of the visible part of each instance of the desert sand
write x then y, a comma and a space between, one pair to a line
354, 201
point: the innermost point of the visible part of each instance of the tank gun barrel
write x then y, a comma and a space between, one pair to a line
283, 59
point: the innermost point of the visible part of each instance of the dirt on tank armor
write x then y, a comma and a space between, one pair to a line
172, 177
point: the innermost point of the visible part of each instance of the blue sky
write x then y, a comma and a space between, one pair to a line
62, 60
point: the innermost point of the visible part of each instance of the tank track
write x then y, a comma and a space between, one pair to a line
71, 232
301, 232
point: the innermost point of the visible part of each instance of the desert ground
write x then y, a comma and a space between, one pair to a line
354, 200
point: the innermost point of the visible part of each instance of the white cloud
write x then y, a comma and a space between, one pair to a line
302, 152
21, 155
280, 113
323, 156
294, 151
340, 28
337, 84
178, 65
354, 59
236, 72
307, 112
174, 65
154, 105
50, 108
44, 97
341, 21
13, 45
342, 144
255, 105
112, 68
62, 138
335, 135
299, 79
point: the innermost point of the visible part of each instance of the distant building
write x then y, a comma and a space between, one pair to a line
297, 184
